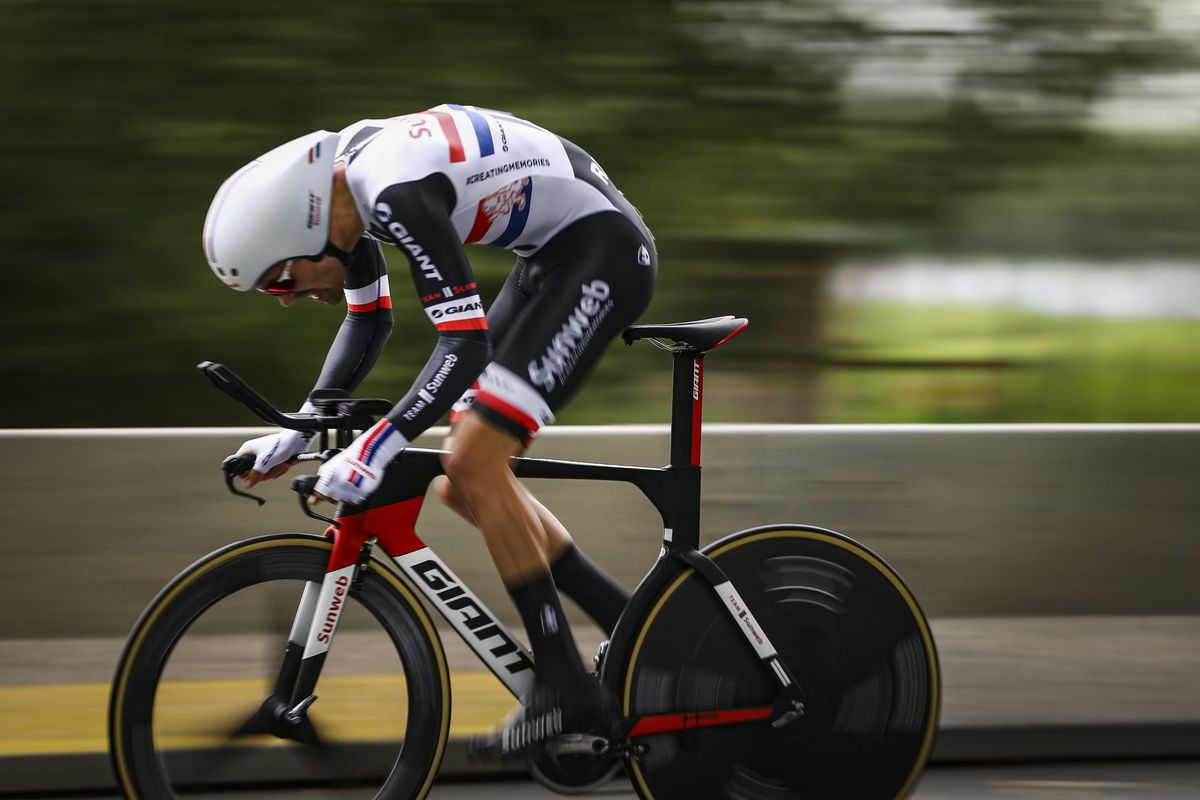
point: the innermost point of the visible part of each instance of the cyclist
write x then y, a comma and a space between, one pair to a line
306, 220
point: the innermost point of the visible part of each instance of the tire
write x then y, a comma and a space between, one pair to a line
167, 732
851, 634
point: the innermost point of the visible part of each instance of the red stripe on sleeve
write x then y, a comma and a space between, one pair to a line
473, 324
451, 131
362, 308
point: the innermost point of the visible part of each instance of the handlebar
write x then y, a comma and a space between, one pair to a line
338, 413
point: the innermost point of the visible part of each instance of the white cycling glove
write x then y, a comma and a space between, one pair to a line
351, 475
275, 448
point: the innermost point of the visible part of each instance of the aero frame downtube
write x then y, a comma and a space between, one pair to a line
393, 523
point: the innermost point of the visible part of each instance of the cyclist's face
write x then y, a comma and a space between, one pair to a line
322, 280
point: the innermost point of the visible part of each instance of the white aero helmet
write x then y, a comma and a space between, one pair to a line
275, 207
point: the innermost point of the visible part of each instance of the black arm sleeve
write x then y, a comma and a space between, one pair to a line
365, 330
415, 216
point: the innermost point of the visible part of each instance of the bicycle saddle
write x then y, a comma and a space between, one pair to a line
701, 335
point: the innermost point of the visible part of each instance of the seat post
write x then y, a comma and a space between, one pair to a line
687, 400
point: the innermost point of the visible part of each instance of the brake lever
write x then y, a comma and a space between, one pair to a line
234, 467
305, 486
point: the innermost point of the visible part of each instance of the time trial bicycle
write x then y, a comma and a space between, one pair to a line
782, 661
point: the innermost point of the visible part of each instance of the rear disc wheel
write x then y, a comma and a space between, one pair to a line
851, 634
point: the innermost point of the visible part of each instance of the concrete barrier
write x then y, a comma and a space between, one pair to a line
980, 520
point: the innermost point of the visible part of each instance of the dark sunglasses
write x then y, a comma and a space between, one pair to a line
284, 284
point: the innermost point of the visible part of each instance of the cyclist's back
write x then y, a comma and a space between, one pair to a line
511, 183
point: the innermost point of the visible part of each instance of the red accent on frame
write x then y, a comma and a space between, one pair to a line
394, 524
348, 540
697, 407
666, 723
451, 131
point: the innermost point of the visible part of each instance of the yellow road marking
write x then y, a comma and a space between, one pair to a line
72, 718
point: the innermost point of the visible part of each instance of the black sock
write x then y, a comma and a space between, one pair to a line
580, 579
554, 650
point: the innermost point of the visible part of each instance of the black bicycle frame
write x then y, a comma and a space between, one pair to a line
387, 520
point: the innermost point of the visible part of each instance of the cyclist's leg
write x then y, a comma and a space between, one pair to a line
574, 573
593, 279
513, 295
522, 283
597, 278
612, 262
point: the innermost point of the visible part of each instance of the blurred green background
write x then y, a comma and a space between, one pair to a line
932, 211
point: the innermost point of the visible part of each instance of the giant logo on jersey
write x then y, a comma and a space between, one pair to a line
460, 314
511, 203
400, 236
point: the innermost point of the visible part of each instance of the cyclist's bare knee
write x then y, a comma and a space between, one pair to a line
479, 458
451, 499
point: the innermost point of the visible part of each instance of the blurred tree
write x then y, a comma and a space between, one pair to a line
760, 138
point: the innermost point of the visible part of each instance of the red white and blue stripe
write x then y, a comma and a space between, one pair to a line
483, 131
376, 448
517, 219
516, 209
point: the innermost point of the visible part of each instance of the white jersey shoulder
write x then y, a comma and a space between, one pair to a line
379, 153
513, 180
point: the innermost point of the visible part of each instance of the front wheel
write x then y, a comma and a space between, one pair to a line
208, 657
852, 635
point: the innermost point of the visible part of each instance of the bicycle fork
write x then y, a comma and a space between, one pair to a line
316, 621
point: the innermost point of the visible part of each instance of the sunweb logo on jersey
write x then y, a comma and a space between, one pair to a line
562, 355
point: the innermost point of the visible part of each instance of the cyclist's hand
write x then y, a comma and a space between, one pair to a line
271, 454
353, 474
